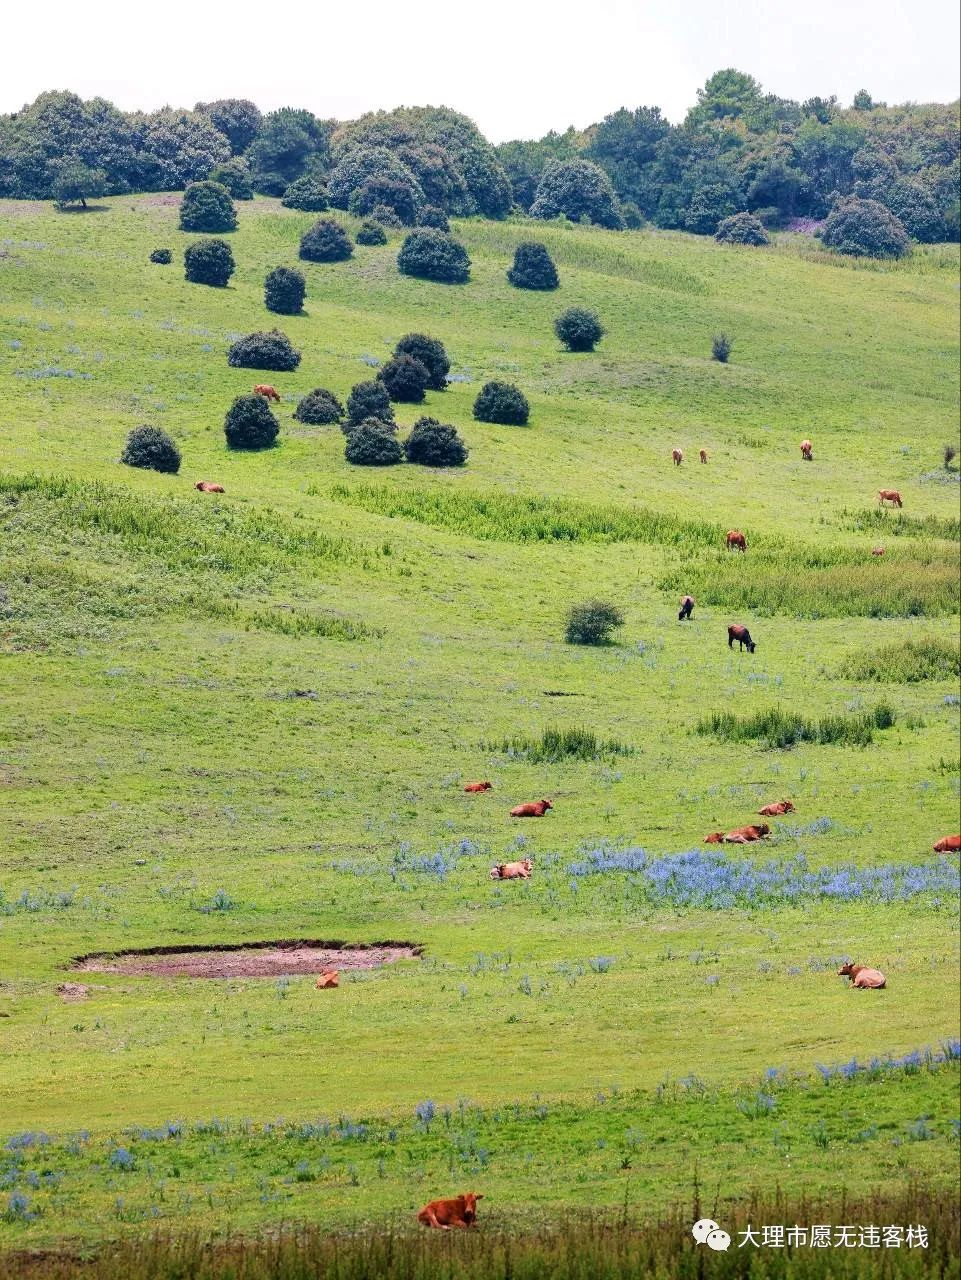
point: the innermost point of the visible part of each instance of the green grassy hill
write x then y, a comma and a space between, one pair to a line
161, 785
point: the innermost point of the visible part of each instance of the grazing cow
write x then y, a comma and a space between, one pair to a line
459, 1212
877, 551
747, 835
512, 870
678, 457
537, 809
716, 837
736, 540
775, 810
687, 608
479, 786
702, 454
863, 977
889, 495
806, 451
206, 487
327, 978
742, 636
948, 844
269, 393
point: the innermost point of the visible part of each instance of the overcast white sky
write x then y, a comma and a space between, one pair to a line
517, 68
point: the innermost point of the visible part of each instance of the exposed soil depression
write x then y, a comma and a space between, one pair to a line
247, 960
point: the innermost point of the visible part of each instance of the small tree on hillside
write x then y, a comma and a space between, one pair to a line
162, 256
72, 182
721, 346
369, 400
433, 216
501, 402
373, 444
865, 228
405, 378
579, 329
208, 261
533, 268
430, 352
577, 189
435, 444
592, 622
272, 350
371, 232
250, 424
742, 228
433, 255
152, 449
235, 176
284, 291
326, 241
319, 408
307, 194
207, 206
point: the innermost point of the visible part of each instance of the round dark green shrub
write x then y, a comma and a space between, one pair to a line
865, 229
369, 400
741, 228
208, 261
533, 268
307, 194
381, 191
207, 206
435, 444
577, 189
430, 352
405, 378
326, 241
163, 256
592, 622
373, 444
632, 215
250, 424
235, 176
433, 216
433, 255
501, 402
721, 346
917, 211
319, 408
152, 449
284, 291
385, 215
271, 350
371, 232
579, 329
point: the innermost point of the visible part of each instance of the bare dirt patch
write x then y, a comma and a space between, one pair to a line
247, 960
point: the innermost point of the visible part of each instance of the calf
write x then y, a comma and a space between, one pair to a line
479, 786
687, 608
747, 835
702, 454
716, 837
948, 844
327, 978
877, 551
736, 540
512, 870
206, 487
678, 457
269, 393
742, 636
536, 809
863, 977
889, 495
775, 810
806, 451
461, 1211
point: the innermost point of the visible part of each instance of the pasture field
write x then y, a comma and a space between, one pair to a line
250, 717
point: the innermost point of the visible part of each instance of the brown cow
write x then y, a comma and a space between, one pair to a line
806, 451
863, 977
742, 636
479, 786
716, 837
877, 551
702, 454
747, 835
206, 487
678, 457
775, 810
536, 809
889, 495
327, 978
736, 540
512, 870
948, 844
687, 608
459, 1212
268, 392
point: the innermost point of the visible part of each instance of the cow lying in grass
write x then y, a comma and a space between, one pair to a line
775, 810
206, 487
536, 809
461, 1211
747, 835
862, 976
948, 844
512, 870
478, 786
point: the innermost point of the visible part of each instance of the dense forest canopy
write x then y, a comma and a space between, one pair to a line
738, 149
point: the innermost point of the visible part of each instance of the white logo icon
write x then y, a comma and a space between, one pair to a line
718, 1240
706, 1231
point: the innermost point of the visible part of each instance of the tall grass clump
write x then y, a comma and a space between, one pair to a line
897, 524
905, 662
775, 727
556, 744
